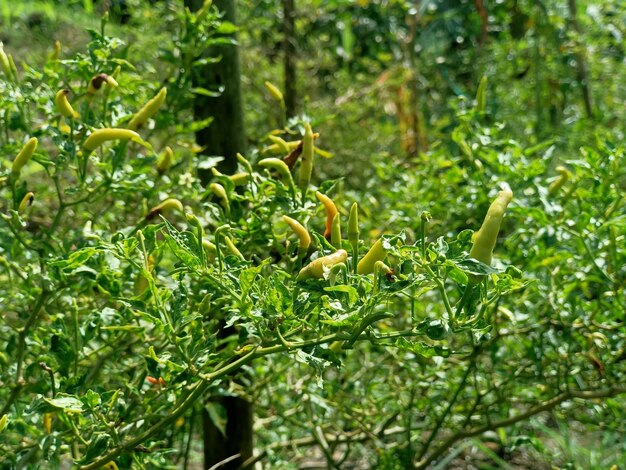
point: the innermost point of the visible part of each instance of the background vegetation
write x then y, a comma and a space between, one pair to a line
120, 328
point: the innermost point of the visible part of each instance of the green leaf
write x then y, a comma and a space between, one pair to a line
218, 415
76, 259
68, 403
316, 363
184, 245
98, 445
422, 349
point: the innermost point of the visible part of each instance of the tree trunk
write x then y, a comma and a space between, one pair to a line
225, 136
289, 51
581, 69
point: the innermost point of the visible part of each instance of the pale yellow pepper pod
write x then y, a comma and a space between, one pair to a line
557, 184
63, 105
304, 238
306, 159
24, 155
100, 136
485, 238
95, 84
27, 201
274, 91
315, 269
168, 205
148, 110
165, 160
376, 253
331, 211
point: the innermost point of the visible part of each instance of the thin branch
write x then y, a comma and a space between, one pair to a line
545, 406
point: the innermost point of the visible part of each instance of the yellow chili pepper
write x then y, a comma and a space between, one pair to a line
3, 422
244, 162
100, 136
353, 233
24, 155
63, 105
56, 53
274, 91
6, 64
27, 200
282, 144
279, 149
335, 231
220, 192
304, 238
331, 211
557, 184
148, 110
95, 84
485, 238
315, 269
233, 249
306, 160
376, 253
142, 283
47, 422
208, 246
165, 160
166, 206
240, 179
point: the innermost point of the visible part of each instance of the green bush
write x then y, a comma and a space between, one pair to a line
131, 293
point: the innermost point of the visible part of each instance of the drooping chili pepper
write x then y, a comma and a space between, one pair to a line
331, 211
56, 52
209, 248
304, 238
27, 200
274, 91
148, 110
47, 422
353, 233
24, 155
63, 105
278, 165
335, 231
233, 248
281, 143
557, 184
3, 422
376, 253
220, 192
165, 161
142, 282
279, 148
166, 206
95, 84
100, 136
306, 160
315, 269
5, 64
485, 238
245, 163
240, 179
